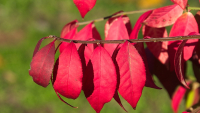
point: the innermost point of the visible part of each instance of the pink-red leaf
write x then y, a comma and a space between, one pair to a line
181, 3
69, 35
164, 16
177, 97
101, 79
159, 49
37, 47
69, 74
67, 28
117, 31
84, 6
184, 25
89, 32
55, 70
125, 19
132, 73
138, 25
42, 65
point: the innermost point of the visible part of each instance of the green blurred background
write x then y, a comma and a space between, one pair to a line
24, 22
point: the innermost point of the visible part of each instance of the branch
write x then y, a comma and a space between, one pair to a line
125, 13
114, 15
161, 39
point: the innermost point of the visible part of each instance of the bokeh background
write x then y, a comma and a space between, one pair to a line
24, 22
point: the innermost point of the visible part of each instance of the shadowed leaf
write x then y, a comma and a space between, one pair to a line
42, 65
179, 63
149, 80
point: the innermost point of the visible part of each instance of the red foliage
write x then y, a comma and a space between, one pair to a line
103, 71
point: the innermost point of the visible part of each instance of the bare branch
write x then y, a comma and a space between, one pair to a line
161, 39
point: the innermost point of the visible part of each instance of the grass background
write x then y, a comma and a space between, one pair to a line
24, 22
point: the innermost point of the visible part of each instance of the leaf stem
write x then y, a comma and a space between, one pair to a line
114, 15
161, 39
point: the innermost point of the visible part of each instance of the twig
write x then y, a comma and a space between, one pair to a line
125, 13
114, 15
161, 39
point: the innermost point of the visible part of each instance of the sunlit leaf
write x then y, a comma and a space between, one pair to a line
182, 3
138, 25
68, 80
132, 73
177, 98
55, 70
69, 35
125, 19
67, 28
101, 79
117, 31
164, 16
184, 25
84, 6
159, 49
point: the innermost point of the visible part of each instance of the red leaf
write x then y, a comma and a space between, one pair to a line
42, 65
179, 63
132, 73
117, 31
95, 33
67, 28
37, 47
164, 16
181, 3
159, 49
89, 32
55, 70
177, 97
69, 74
184, 25
149, 80
101, 79
69, 35
84, 6
125, 19
138, 25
